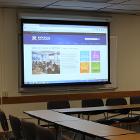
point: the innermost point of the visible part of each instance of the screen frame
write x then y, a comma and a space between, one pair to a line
59, 22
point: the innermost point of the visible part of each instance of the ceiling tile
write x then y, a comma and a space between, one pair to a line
117, 6
25, 3
125, 7
116, 1
118, 11
132, 2
74, 8
93, 1
79, 5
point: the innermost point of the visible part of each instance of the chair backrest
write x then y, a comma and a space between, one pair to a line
16, 127
135, 100
117, 101
3, 121
58, 104
28, 130
44, 133
64, 137
92, 103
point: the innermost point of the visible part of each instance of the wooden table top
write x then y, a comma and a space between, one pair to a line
94, 129
101, 108
83, 126
125, 137
49, 115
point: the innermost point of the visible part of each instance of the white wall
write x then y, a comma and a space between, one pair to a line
128, 40
125, 27
9, 62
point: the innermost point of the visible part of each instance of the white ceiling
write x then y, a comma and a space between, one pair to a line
123, 6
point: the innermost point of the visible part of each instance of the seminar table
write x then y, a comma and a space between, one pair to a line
94, 109
50, 116
76, 124
94, 129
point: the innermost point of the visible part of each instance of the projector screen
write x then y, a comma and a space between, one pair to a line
64, 53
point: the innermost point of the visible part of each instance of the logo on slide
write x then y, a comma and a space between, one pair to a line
34, 37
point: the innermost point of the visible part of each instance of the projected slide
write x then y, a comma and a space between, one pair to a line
64, 53
45, 62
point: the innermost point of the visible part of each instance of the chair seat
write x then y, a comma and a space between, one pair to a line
107, 122
130, 119
119, 111
117, 101
120, 120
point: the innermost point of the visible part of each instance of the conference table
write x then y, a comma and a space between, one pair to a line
50, 116
90, 128
100, 108
78, 125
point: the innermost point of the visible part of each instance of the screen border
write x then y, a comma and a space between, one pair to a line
59, 22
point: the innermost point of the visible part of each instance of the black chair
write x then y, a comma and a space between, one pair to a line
46, 134
3, 121
58, 104
65, 138
135, 100
28, 130
16, 127
93, 103
4, 125
107, 122
125, 120
117, 101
